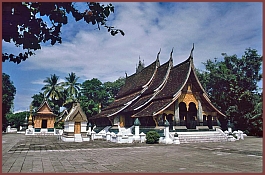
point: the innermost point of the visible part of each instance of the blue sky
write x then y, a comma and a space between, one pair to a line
214, 28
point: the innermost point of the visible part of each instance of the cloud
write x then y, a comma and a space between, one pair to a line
215, 28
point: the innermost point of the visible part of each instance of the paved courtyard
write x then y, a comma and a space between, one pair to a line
47, 154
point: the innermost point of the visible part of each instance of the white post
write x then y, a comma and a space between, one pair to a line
199, 113
93, 135
108, 136
177, 113
142, 137
137, 129
166, 132
119, 137
8, 128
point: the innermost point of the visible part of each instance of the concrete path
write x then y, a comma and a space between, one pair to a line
47, 154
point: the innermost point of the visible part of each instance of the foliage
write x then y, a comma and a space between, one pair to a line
37, 100
255, 119
152, 137
72, 86
71, 90
113, 88
91, 93
28, 24
232, 85
53, 90
8, 96
17, 119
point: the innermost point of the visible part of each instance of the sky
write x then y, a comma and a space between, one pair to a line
213, 27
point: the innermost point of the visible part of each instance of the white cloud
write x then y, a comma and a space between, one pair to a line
213, 27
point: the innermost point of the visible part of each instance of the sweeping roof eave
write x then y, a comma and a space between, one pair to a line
151, 108
205, 95
210, 103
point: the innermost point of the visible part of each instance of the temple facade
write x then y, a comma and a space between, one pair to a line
75, 125
157, 93
44, 119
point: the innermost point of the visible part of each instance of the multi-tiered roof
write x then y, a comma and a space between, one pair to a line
154, 89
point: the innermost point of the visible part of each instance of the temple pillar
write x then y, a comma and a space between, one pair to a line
176, 116
199, 113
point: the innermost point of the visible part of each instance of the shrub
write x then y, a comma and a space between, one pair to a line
152, 137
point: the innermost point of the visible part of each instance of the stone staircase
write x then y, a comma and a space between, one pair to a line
201, 136
78, 138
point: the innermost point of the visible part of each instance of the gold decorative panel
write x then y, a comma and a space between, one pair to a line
187, 99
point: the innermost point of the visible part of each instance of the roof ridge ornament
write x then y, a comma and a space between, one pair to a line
191, 52
171, 53
171, 59
157, 58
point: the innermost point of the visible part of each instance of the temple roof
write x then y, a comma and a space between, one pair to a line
138, 81
156, 84
177, 78
117, 105
175, 81
154, 89
76, 114
44, 109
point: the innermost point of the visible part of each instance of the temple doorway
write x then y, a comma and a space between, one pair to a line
192, 116
77, 128
44, 124
210, 121
182, 113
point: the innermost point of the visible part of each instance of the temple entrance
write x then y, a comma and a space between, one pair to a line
44, 124
122, 121
210, 122
182, 113
170, 120
192, 116
77, 129
188, 117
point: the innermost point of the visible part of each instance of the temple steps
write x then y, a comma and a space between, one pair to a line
197, 137
78, 138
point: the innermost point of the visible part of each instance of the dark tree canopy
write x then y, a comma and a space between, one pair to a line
18, 119
232, 86
8, 96
24, 25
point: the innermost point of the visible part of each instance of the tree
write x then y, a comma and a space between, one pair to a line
53, 90
71, 85
8, 96
93, 93
232, 85
113, 88
17, 119
256, 119
37, 100
28, 24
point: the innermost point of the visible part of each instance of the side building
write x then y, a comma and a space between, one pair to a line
157, 93
44, 119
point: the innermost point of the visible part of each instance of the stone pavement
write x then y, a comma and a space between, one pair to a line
47, 154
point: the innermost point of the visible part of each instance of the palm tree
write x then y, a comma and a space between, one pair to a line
72, 87
52, 89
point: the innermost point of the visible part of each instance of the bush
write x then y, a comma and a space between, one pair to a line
152, 137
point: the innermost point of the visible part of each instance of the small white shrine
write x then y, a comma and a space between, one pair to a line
75, 124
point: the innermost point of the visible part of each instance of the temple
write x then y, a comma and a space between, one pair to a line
159, 93
44, 119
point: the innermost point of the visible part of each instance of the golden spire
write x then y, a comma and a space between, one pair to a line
30, 116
